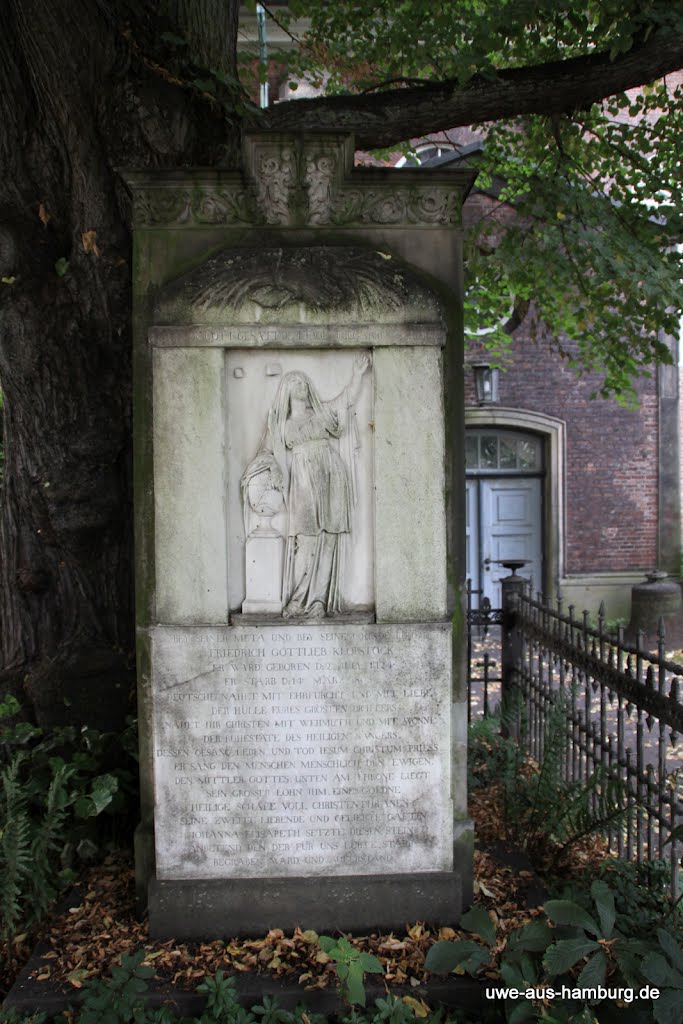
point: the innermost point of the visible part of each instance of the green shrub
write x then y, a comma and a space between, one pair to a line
489, 753
577, 946
52, 787
642, 897
544, 813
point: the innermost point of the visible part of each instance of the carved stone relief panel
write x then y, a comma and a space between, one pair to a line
275, 180
300, 494
290, 181
312, 284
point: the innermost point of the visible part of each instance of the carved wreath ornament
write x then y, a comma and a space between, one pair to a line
338, 279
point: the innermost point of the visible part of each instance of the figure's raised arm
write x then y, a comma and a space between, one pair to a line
360, 365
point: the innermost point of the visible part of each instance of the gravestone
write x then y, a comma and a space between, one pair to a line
298, 371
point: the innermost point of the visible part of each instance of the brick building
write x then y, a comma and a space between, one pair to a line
585, 491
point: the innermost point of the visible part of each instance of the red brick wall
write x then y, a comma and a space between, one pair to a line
611, 456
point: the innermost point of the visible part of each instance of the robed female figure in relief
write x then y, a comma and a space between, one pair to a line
318, 487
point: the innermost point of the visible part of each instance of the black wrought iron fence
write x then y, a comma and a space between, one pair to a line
622, 716
483, 653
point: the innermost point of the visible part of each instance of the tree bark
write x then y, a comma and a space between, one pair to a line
85, 88
210, 29
383, 119
80, 98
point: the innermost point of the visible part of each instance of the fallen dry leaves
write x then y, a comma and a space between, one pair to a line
101, 925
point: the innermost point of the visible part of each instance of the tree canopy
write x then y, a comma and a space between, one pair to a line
584, 173
583, 139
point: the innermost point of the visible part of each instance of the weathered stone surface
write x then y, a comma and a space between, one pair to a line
295, 181
357, 903
267, 333
410, 499
303, 751
189, 486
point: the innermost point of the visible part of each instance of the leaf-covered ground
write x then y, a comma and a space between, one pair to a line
100, 924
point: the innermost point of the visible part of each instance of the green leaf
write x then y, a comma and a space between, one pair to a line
595, 971
511, 975
675, 836
355, 989
370, 964
629, 965
342, 970
327, 943
475, 960
84, 807
533, 937
10, 706
564, 954
667, 1009
659, 972
441, 957
604, 902
444, 956
61, 266
205, 85
671, 948
103, 789
568, 912
477, 920
523, 1011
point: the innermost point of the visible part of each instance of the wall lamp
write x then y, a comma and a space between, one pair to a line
486, 383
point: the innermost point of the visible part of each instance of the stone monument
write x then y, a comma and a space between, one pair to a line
298, 377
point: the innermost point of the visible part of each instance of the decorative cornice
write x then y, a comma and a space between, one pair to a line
298, 181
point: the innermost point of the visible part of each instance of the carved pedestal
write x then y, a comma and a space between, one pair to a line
263, 553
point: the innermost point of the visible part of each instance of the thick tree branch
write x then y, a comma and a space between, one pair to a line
383, 119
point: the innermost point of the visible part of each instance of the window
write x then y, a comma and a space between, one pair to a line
502, 451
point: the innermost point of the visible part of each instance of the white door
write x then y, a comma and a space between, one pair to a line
510, 529
472, 535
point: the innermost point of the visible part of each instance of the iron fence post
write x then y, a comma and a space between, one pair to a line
512, 587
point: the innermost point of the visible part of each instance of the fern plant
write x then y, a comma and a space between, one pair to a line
29, 845
15, 845
51, 790
545, 813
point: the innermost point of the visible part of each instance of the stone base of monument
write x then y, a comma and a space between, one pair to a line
252, 906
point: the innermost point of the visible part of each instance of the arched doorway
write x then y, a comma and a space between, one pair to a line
546, 431
505, 474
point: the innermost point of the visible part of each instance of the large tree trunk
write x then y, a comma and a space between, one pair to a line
87, 86
81, 98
